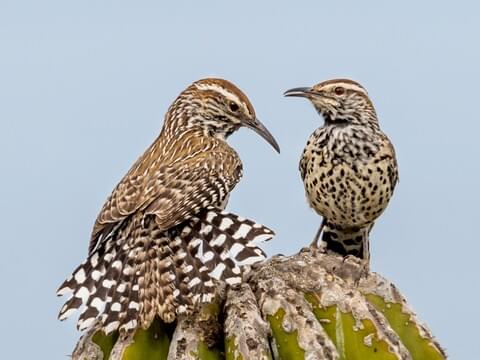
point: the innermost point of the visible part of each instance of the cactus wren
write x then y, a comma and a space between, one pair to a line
162, 238
348, 166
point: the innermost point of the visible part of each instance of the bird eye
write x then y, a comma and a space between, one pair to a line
339, 90
233, 107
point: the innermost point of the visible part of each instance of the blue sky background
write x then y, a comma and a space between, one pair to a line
84, 86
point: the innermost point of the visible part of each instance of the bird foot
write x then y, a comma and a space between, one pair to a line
314, 244
362, 264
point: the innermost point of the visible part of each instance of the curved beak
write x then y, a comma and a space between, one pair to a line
261, 130
299, 92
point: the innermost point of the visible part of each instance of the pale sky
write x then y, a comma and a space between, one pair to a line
84, 86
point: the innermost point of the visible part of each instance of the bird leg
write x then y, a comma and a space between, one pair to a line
366, 250
316, 239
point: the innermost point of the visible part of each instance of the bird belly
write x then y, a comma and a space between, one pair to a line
349, 196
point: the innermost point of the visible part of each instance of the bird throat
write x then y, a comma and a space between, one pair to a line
221, 130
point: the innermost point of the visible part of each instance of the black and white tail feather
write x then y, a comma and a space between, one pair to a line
138, 271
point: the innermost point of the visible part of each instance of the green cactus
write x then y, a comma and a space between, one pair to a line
310, 305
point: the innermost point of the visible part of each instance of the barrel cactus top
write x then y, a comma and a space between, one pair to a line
307, 306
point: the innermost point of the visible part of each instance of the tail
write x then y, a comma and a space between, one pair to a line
138, 271
346, 241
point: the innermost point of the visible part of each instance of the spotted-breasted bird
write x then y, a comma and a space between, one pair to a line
348, 166
162, 237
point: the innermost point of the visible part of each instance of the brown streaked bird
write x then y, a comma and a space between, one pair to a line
348, 166
162, 239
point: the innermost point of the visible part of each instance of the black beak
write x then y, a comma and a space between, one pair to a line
299, 92
261, 130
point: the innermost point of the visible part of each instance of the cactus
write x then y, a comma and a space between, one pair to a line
308, 306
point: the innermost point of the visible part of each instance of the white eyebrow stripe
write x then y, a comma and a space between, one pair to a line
219, 89
229, 95
349, 86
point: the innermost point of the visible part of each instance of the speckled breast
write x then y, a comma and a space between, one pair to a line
350, 193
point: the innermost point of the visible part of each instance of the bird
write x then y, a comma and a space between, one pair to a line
162, 239
348, 167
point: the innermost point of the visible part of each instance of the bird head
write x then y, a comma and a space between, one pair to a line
339, 101
220, 108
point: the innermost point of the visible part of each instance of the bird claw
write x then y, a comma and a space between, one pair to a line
362, 264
